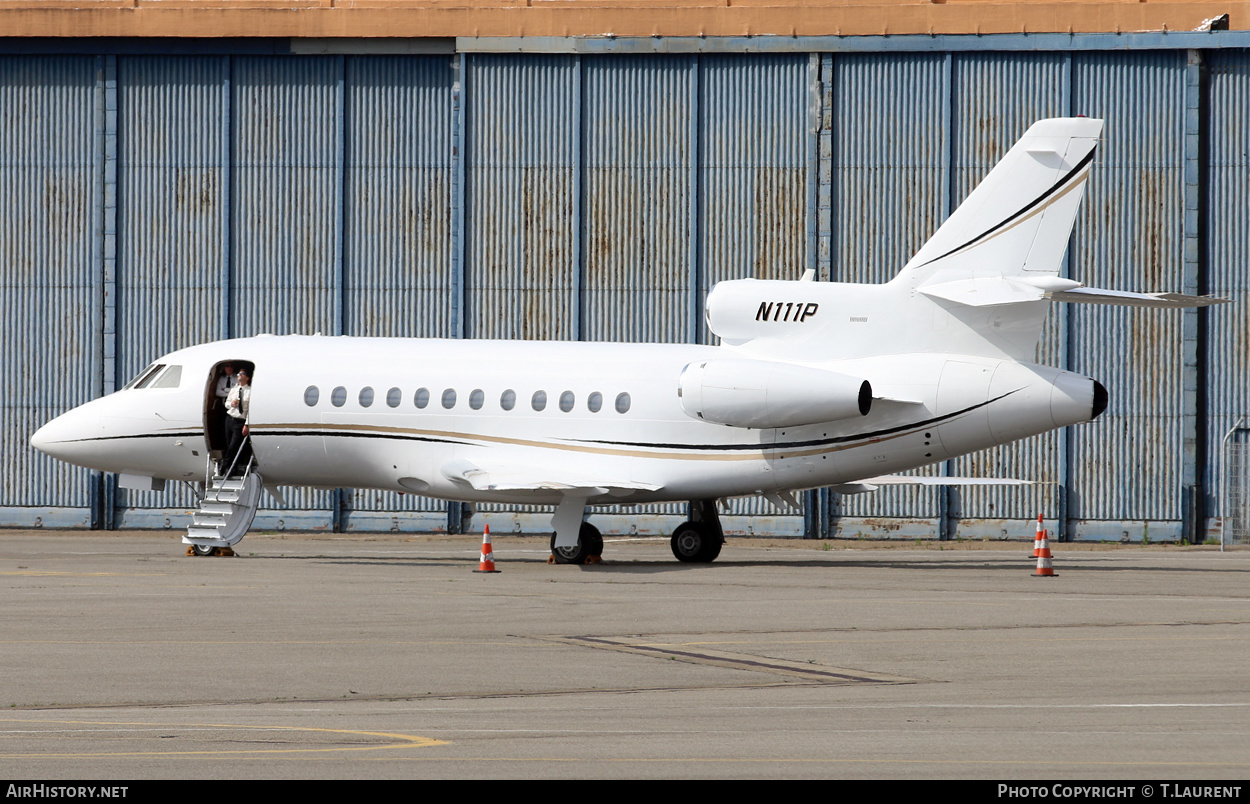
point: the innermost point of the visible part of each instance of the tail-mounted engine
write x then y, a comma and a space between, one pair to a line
764, 394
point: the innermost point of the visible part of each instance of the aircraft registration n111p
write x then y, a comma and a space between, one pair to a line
813, 384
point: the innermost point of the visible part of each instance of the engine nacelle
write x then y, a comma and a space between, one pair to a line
764, 394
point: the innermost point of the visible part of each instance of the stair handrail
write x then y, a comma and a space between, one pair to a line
247, 470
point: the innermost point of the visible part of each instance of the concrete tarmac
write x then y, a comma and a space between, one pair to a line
318, 656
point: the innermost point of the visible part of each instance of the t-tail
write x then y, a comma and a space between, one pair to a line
981, 285
1016, 224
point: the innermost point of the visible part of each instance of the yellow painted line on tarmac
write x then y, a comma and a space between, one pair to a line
397, 740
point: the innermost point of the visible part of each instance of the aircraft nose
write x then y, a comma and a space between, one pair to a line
73, 436
55, 437
40, 439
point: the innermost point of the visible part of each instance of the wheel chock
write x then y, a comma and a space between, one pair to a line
594, 559
190, 551
551, 559
224, 552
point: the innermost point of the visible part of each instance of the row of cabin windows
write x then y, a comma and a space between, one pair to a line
477, 398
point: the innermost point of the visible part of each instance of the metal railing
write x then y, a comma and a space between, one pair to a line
1235, 482
210, 472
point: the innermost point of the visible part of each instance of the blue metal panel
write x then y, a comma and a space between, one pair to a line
1228, 254
51, 251
284, 189
521, 194
636, 227
888, 153
398, 203
753, 167
1129, 237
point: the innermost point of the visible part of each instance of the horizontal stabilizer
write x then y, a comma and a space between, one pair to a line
1129, 299
984, 292
992, 291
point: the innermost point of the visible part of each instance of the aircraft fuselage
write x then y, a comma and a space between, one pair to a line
407, 415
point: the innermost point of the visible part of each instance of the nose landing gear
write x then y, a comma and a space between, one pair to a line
588, 549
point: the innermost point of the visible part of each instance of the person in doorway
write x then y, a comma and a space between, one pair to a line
225, 383
238, 450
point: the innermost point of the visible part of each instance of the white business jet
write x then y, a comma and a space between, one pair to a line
813, 384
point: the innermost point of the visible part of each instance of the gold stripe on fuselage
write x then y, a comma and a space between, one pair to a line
752, 454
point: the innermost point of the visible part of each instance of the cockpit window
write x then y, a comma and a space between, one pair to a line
170, 379
144, 377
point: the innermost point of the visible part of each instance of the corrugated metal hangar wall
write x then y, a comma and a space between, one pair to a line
155, 201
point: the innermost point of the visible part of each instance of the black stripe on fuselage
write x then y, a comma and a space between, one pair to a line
815, 442
184, 434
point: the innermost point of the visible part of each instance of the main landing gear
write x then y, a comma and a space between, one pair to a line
698, 540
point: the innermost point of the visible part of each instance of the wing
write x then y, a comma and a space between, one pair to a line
874, 483
504, 477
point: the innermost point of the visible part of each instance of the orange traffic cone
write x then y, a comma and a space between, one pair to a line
1044, 568
1037, 540
487, 562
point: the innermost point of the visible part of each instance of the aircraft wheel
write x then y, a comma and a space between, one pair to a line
592, 538
692, 544
202, 549
589, 543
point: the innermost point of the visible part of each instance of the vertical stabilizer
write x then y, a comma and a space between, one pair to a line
1017, 222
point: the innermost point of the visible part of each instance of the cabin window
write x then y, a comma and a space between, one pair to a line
393, 397
477, 398
311, 395
622, 403
338, 396
566, 401
170, 379
539, 400
366, 397
422, 398
594, 402
507, 400
449, 398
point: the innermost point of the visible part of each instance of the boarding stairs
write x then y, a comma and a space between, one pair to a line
226, 509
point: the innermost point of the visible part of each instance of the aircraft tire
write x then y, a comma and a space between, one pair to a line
692, 544
589, 543
592, 538
202, 549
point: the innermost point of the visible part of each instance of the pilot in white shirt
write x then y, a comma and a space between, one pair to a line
237, 449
